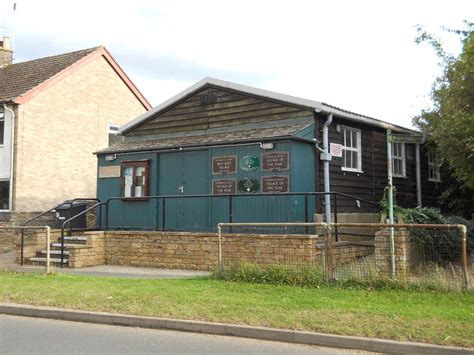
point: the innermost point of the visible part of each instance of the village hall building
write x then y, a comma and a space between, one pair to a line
220, 151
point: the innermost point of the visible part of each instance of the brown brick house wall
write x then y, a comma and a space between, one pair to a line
59, 129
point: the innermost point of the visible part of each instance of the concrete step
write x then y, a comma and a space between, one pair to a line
78, 239
39, 259
54, 252
66, 245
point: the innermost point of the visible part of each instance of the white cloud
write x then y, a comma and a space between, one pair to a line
358, 55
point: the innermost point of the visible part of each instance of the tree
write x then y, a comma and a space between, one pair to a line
450, 123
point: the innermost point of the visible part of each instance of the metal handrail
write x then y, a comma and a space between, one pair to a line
67, 202
73, 218
230, 197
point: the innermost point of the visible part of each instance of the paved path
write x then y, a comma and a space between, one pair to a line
116, 271
20, 335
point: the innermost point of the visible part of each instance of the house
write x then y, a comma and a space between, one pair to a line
254, 156
54, 113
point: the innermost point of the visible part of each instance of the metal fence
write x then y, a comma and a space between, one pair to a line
431, 255
19, 245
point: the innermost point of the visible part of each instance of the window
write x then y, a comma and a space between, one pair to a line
351, 150
4, 195
2, 128
113, 137
135, 179
398, 160
433, 167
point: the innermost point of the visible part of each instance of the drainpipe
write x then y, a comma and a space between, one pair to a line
10, 192
326, 158
418, 176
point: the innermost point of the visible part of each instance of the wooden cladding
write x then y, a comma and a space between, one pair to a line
214, 108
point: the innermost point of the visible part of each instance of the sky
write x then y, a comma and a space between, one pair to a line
356, 55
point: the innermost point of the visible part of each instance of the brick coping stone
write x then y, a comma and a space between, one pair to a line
290, 336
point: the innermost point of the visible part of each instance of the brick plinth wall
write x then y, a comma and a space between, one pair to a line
407, 255
90, 254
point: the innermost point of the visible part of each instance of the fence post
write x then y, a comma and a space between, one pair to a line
329, 254
22, 245
463, 229
48, 249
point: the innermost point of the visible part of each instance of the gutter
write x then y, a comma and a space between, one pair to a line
10, 192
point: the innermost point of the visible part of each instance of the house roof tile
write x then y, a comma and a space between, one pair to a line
17, 79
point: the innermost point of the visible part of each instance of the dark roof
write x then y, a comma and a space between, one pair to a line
17, 79
204, 139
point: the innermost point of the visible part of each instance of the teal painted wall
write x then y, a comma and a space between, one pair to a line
192, 170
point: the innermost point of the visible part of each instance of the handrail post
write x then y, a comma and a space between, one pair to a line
48, 250
106, 222
62, 245
306, 215
163, 214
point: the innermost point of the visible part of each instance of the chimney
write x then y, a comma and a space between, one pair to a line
6, 54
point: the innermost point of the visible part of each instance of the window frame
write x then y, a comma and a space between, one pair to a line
401, 158
135, 164
2, 132
433, 165
351, 149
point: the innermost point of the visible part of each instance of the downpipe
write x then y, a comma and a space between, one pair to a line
325, 156
10, 192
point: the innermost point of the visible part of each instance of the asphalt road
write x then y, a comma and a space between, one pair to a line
21, 335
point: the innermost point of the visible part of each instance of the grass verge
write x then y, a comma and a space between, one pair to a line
414, 315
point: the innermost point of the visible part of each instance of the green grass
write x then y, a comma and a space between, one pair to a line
425, 316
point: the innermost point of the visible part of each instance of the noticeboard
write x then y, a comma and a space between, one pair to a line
275, 161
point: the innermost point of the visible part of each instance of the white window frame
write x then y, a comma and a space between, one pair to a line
112, 129
351, 149
2, 121
401, 158
433, 167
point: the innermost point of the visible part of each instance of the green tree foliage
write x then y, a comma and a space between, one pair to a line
450, 124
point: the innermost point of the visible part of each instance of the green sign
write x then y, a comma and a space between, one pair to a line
249, 185
249, 163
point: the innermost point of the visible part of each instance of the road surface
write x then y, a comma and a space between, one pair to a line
21, 335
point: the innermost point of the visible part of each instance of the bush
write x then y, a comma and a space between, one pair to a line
441, 246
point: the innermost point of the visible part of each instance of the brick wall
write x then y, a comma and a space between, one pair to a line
407, 255
18, 218
174, 250
199, 251
59, 129
90, 254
